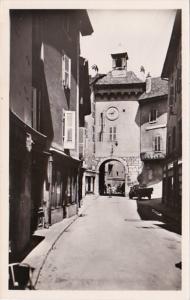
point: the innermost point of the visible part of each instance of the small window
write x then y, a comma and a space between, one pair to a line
113, 134
66, 72
101, 120
36, 108
118, 62
100, 136
157, 143
153, 116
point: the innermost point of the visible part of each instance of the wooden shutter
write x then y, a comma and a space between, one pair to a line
69, 79
63, 72
66, 71
81, 141
69, 140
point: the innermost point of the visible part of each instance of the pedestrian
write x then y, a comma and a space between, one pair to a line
109, 190
105, 189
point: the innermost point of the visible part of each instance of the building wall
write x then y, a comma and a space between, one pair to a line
56, 45
21, 66
128, 130
175, 108
20, 104
152, 172
89, 155
150, 130
172, 194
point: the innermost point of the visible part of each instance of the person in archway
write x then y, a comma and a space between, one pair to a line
105, 189
109, 190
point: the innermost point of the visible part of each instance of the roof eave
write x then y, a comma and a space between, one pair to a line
176, 32
153, 97
85, 24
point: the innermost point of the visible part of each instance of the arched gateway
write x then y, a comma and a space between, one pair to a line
112, 174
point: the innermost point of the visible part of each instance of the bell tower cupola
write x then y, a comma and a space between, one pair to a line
119, 64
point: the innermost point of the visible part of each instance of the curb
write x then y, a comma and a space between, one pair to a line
49, 248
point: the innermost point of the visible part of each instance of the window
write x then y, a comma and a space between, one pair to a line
36, 107
42, 52
66, 72
169, 144
81, 141
101, 120
179, 80
157, 143
118, 62
171, 97
153, 116
101, 136
180, 136
69, 137
93, 133
112, 134
86, 126
174, 138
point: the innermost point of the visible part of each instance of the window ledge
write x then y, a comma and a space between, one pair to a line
156, 126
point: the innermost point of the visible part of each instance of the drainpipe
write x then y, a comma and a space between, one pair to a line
50, 189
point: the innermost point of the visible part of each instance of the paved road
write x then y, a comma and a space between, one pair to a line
110, 247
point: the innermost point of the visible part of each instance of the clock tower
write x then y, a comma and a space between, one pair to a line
117, 123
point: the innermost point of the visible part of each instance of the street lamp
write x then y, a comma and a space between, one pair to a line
115, 143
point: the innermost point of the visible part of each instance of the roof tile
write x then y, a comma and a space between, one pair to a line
130, 78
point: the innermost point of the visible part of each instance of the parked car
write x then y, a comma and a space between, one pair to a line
140, 192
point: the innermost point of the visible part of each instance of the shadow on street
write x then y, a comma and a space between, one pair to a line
147, 212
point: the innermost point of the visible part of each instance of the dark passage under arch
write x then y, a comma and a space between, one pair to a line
112, 178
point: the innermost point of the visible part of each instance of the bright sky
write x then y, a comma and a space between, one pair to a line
144, 34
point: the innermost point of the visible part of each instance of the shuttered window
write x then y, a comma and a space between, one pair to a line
157, 143
69, 136
66, 72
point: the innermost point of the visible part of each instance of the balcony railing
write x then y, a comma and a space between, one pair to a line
152, 155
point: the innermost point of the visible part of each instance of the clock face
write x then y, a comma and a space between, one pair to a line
112, 113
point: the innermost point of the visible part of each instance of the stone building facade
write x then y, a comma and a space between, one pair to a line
172, 69
117, 121
153, 127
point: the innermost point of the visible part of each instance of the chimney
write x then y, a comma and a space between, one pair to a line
148, 83
142, 73
94, 70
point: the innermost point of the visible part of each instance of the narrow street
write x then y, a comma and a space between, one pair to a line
110, 247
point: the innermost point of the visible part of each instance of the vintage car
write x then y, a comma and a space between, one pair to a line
140, 192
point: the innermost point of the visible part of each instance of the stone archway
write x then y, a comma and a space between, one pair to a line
104, 160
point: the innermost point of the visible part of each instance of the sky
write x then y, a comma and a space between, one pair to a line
143, 34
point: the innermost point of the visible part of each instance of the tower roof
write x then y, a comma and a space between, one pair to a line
130, 78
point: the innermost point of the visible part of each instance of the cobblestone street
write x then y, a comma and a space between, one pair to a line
110, 247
